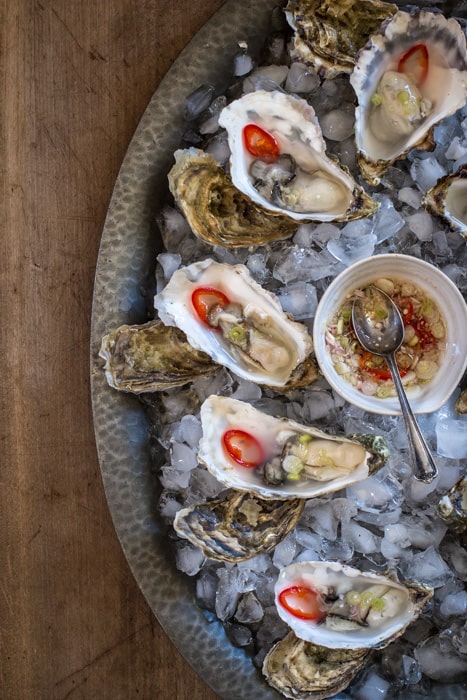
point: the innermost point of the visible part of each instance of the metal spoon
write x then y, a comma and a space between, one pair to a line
379, 327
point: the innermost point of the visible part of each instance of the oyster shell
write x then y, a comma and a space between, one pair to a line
151, 357
217, 212
329, 34
461, 402
303, 182
452, 507
448, 199
249, 333
306, 671
239, 525
293, 460
352, 609
399, 105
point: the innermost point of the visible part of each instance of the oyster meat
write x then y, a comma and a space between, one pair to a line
278, 159
340, 607
409, 76
217, 212
249, 450
151, 357
329, 34
225, 313
306, 671
448, 199
239, 525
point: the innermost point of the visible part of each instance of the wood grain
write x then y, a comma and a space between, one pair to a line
76, 77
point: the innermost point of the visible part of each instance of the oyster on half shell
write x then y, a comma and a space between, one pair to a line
151, 357
409, 76
448, 199
340, 607
249, 450
217, 212
226, 314
239, 525
299, 180
329, 33
306, 671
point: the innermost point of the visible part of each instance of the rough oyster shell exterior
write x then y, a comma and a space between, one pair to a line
445, 86
448, 199
328, 33
151, 357
452, 508
220, 414
294, 125
305, 671
329, 578
217, 212
175, 306
239, 525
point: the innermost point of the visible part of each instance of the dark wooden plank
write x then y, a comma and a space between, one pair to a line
77, 76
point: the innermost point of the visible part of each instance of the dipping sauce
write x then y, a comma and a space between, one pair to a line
419, 357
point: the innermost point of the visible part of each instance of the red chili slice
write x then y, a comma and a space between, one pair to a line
405, 306
423, 330
260, 143
302, 602
414, 63
204, 299
243, 448
383, 373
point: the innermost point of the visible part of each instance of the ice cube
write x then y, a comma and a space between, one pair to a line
301, 78
410, 196
188, 431
426, 172
440, 662
356, 242
249, 609
359, 537
188, 558
451, 436
421, 224
454, 604
387, 220
299, 299
371, 687
337, 124
428, 567
183, 458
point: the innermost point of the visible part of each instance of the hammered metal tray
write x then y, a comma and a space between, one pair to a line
126, 258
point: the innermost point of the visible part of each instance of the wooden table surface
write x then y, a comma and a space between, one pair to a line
76, 77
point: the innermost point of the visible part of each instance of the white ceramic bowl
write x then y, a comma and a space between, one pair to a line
424, 399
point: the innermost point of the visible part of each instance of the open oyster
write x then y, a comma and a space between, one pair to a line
278, 159
151, 357
329, 34
225, 313
340, 607
239, 525
408, 78
448, 199
279, 458
217, 212
306, 671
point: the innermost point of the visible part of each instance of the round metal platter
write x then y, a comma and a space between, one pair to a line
126, 258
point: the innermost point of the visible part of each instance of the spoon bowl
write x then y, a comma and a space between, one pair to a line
379, 322
379, 328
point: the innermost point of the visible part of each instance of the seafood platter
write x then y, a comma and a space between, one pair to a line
276, 530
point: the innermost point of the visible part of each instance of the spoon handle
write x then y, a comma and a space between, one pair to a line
425, 467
